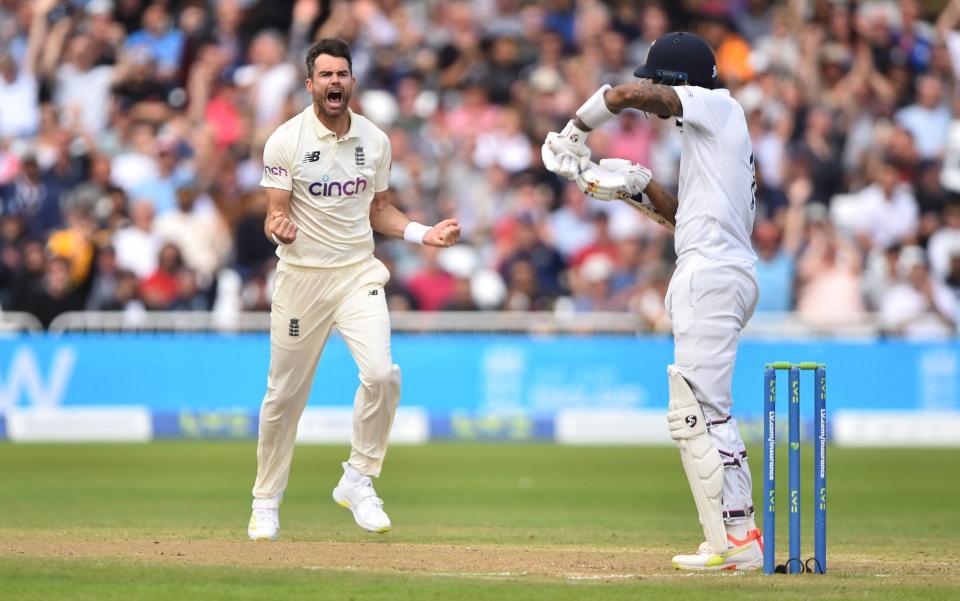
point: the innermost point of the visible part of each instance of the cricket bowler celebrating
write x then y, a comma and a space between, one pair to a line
325, 173
713, 291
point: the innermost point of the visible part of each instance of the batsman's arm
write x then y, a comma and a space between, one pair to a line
663, 201
648, 97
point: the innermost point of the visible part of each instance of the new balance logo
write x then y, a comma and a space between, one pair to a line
374, 292
358, 157
294, 326
311, 157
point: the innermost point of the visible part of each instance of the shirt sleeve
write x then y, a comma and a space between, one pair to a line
382, 176
704, 109
277, 167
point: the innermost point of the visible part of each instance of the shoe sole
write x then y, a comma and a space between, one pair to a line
346, 505
261, 539
722, 568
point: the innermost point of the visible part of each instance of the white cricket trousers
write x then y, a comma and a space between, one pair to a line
709, 304
307, 303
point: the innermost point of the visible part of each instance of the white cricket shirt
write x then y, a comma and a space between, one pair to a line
717, 180
332, 181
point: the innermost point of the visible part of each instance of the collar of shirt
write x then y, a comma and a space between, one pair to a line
322, 131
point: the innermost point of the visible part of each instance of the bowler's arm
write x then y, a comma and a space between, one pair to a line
391, 222
277, 223
648, 97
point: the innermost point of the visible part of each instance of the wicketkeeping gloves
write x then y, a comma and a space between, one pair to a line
613, 179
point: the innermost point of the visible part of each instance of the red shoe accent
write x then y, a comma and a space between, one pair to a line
752, 535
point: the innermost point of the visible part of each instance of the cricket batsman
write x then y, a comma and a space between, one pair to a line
325, 172
713, 291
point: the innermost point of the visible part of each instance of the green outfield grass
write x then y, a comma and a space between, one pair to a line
167, 521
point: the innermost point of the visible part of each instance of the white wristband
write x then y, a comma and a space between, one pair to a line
275, 239
594, 111
414, 232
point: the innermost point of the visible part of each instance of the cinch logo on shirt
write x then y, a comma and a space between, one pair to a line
326, 187
275, 170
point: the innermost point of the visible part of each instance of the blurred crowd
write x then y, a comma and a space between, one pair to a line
131, 139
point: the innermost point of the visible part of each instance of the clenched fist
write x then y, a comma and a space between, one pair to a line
445, 233
280, 227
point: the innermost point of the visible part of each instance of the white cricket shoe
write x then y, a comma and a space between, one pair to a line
264, 525
746, 554
360, 498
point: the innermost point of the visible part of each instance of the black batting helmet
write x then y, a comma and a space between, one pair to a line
678, 58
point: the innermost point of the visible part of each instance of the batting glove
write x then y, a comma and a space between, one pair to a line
613, 179
566, 153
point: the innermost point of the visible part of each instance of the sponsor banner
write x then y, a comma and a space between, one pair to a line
80, 424
515, 427
612, 427
470, 386
328, 425
896, 428
205, 424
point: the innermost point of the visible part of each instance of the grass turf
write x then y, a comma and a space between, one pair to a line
887, 508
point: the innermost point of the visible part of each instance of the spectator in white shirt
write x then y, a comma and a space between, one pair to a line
918, 307
138, 245
82, 86
945, 242
887, 209
19, 106
268, 78
928, 119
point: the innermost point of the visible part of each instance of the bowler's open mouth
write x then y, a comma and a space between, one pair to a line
335, 97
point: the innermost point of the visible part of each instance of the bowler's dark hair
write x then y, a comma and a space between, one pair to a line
331, 46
